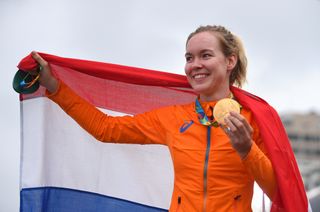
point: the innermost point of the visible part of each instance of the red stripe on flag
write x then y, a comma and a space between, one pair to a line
116, 87
111, 71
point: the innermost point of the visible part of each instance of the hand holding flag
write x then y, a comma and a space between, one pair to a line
46, 77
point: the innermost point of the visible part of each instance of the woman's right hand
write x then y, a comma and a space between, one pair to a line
46, 79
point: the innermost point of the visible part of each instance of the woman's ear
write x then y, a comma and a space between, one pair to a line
231, 62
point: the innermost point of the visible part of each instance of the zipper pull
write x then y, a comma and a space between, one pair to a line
235, 205
237, 197
179, 203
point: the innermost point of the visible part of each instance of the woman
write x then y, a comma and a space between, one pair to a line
215, 166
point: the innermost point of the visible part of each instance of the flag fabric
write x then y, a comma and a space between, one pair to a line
63, 168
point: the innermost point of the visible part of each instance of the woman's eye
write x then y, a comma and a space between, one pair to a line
188, 59
206, 55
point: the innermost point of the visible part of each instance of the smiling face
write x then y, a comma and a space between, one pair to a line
207, 68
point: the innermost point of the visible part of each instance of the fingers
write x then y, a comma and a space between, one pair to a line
39, 59
46, 79
240, 132
237, 123
227, 130
242, 120
237, 128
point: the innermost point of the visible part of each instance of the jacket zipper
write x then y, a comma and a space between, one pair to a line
205, 171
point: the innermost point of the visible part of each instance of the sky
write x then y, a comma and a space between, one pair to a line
281, 39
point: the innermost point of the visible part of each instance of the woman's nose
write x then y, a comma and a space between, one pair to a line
193, 65
196, 64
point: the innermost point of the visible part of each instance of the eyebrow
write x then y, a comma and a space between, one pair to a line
206, 50
187, 54
201, 51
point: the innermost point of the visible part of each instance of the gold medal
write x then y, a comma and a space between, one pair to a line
223, 108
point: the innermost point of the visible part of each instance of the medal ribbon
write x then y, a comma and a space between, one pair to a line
203, 118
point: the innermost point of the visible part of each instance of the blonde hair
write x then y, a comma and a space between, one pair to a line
230, 45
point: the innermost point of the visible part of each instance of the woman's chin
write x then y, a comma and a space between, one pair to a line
200, 89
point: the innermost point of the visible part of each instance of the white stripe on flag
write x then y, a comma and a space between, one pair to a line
57, 152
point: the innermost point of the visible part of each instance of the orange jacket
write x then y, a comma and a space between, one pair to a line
209, 174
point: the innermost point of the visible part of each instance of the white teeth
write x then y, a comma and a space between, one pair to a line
200, 76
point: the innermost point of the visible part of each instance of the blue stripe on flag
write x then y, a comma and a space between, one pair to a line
51, 199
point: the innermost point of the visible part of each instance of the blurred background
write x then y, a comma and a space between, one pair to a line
281, 39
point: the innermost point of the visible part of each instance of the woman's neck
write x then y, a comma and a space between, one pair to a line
215, 96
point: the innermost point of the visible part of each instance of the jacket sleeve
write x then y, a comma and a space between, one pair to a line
259, 165
139, 129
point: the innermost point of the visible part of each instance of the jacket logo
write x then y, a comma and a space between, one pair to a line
185, 126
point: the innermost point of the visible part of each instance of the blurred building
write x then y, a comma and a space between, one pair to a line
304, 133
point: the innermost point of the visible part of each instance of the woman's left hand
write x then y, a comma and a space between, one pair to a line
240, 133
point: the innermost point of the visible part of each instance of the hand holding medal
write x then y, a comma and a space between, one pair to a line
227, 114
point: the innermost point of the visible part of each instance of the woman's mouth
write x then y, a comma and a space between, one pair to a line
200, 76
